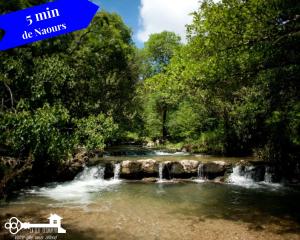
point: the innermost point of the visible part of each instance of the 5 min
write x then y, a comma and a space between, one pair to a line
43, 15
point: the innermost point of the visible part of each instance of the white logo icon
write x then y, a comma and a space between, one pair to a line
14, 225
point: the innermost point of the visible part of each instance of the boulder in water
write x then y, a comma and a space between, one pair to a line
149, 167
183, 169
131, 170
139, 169
176, 170
215, 169
254, 170
190, 166
74, 165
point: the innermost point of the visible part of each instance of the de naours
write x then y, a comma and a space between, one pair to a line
44, 31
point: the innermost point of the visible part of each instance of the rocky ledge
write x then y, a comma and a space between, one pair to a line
150, 168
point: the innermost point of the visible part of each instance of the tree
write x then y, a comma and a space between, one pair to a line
158, 51
241, 65
66, 92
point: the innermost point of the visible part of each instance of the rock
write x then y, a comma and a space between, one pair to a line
109, 170
149, 180
182, 169
190, 166
131, 170
73, 166
149, 167
150, 144
139, 169
214, 169
257, 173
81, 158
176, 170
220, 179
184, 149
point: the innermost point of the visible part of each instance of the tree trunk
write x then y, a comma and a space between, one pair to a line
164, 121
11, 95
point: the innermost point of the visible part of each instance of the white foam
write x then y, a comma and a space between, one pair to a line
245, 180
117, 170
161, 153
161, 172
80, 189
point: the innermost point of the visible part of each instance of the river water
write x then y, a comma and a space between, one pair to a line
94, 208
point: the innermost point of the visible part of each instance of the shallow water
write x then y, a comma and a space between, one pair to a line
94, 208
137, 152
163, 210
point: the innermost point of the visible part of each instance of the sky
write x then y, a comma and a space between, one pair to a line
146, 17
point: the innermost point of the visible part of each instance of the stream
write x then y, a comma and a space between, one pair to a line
95, 208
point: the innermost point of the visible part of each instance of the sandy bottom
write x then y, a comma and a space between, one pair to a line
92, 222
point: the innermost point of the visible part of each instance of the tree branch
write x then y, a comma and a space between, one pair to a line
11, 95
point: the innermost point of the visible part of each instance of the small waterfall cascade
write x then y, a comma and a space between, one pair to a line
268, 175
242, 176
90, 180
201, 171
161, 171
92, 173
117, 170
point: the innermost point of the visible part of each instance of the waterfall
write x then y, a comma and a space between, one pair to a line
92, 173
201, 171
161, 171
117, 169
268, 175
89, 181
240, 176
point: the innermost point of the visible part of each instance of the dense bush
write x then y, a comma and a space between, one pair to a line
50, 134
93, 132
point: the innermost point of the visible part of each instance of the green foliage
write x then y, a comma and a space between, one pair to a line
158, 91
232, 89
94, 131
157, 53
238, 54
183, 122
151, 117
50, 133
66, 92
235, 86
43, 134
105, 71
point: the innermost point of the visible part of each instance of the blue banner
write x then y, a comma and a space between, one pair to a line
45, 21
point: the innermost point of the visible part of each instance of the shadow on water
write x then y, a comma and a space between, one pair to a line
257, 206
